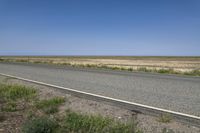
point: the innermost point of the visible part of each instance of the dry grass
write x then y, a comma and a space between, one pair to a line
173, 65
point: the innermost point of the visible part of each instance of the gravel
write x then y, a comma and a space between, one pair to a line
146, 123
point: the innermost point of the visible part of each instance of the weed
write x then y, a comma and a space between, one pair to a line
10, 107
122, 68
170, 71
165, 118
50, 102
89, 65
14, 92
50, 110
66, 64
50, 106
37, 62
130, 69
115, 68
22, 60
40, 125
1, 59
30, 114
75, 122
144, 69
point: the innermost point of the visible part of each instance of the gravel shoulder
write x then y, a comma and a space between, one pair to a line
147, 123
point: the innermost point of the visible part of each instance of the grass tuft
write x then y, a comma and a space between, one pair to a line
165, 118
50, 102
10, 107
143, 69
40, 125
50, 106
14, 92
75, 122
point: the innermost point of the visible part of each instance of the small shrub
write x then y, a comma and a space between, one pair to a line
165, 118
37, 62
105, 67
89, 65
165, 71
130, 69
40, 125
22, 60
10, 107
122, 68
115, 68
67, 64
1, 59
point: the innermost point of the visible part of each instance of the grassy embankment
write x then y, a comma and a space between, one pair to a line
43, 116
195, 72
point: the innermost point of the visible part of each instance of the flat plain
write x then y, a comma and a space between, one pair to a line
161, 64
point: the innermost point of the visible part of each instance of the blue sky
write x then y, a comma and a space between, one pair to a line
100, 27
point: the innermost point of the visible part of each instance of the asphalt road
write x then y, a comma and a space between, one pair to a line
176, 93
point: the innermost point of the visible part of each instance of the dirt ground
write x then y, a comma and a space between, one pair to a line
182, 64
147, 123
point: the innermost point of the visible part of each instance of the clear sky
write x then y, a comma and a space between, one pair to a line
100, 27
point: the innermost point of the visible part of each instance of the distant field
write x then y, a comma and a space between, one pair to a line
160, 64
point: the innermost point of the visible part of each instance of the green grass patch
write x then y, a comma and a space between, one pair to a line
14, 92
37, 62
115, 68
143, 69
40, 125
165, 71
50, 106
9, 107
50, 102
78, 123
122, 68
130, 69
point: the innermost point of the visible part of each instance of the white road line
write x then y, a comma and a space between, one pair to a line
104, 97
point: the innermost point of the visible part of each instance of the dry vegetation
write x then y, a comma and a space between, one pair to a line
170, 65
30, 108
44, 116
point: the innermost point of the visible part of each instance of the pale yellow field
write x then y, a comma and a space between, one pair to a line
181, 64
